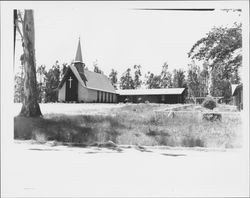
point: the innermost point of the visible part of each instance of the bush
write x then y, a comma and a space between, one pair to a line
209, 103
139, 100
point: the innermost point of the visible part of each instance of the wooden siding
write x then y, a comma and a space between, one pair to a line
61, 93
71, 87
88, 95
82, 93
92, 95
167, 99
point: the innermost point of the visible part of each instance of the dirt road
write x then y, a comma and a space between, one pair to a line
32, 170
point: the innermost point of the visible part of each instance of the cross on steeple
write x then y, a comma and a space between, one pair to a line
70, 79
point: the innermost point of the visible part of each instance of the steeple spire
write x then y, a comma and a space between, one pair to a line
78, 58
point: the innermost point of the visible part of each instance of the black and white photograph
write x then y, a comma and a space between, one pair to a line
125, 99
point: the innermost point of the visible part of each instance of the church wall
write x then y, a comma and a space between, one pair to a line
92, 95
82, 93
115, 98
61, 93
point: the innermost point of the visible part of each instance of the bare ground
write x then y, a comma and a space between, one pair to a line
39, 170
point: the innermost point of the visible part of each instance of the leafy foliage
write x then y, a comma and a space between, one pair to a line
193, 80
209, 103
52, 82
137, 76
41, 74
203, 80
96, 68
164, 80
220, 87
47, 83
126, 81
220, 48
197, 80
153, 81
18, 89
64, 69
113, 78
166, 77
179, 78
19, 82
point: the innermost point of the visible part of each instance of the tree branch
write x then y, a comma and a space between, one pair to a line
19, 20
18, 29
20, 16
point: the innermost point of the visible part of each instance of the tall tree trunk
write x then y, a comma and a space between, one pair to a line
30, 106
209, 91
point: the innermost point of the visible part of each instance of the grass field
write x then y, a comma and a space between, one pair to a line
132, 124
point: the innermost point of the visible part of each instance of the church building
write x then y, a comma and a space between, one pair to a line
81, 85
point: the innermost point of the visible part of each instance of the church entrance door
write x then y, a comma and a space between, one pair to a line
71, 87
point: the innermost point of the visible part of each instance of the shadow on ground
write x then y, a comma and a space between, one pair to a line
108, 147
81, 129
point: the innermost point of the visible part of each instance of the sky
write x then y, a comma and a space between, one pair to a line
117, 36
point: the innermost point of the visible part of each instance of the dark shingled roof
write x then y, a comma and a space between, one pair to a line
90, 80
98, 81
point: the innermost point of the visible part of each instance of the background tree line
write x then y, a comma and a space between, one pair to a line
47, 82
220, 55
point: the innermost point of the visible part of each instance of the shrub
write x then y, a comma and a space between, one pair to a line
209, 103
192, 142
139, 100
154, 120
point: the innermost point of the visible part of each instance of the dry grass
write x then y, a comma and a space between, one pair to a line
135, 124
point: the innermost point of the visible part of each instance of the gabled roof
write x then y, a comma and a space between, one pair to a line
235, 87
90, 80
169, 91
98, 81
